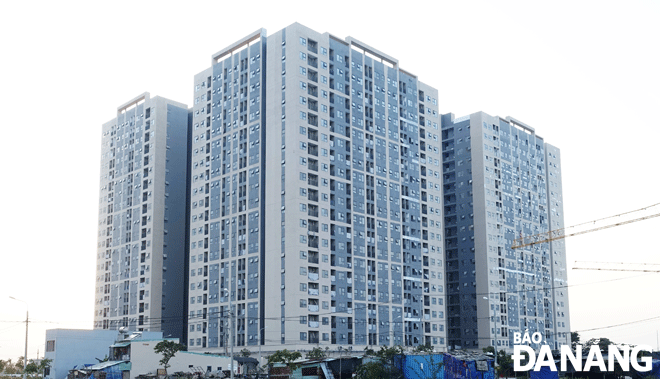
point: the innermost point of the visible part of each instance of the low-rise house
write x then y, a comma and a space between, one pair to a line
68, 348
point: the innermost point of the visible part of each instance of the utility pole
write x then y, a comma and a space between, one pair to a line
231, 315
495, 345
27, 319
260, 341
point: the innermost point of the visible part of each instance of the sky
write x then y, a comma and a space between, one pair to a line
584, 74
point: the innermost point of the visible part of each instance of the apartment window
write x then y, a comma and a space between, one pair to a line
303, 271
303, 56
303, 336
303, 303
303, 287
303, 41
303, 319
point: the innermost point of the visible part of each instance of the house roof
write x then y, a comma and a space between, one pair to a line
102, 365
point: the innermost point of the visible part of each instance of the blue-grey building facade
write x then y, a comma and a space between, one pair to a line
501, 182
143, 218
316, 198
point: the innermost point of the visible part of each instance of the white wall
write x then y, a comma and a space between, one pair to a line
76, 347
145, 360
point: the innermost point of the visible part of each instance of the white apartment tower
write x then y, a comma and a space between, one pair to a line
502, 181
141, 252
316, 198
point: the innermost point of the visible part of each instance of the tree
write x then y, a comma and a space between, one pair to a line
387, 354
371, 370
33, 368
18, 366
10, 367
168, 348
44, 364
384, 367
3, 363
316, 353
504, 363
575, 339
285, 356
602, 343
245, 353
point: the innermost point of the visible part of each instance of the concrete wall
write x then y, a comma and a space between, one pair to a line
145, 360
76, 347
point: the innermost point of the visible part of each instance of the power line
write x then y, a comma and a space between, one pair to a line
556, 234
621, 263
625, 323
612, 269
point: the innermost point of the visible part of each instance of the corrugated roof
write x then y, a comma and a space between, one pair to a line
102, 365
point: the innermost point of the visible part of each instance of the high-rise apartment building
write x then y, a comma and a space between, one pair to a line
314, 197
501, 182
142, 238
316, 194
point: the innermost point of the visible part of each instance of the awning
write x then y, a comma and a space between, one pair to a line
121, 344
